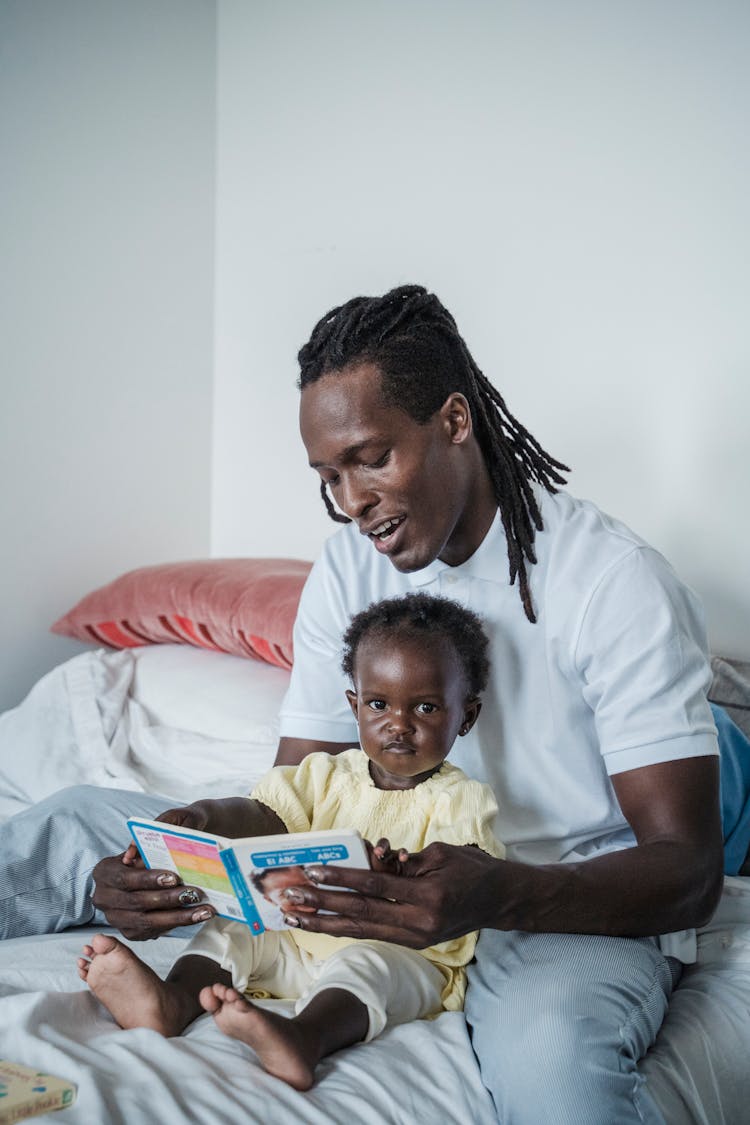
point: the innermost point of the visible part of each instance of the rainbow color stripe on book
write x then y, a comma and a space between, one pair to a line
197, 862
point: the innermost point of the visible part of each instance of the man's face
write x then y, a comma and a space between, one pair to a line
405, 485
410, 702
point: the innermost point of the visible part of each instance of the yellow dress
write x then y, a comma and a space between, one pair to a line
336, 791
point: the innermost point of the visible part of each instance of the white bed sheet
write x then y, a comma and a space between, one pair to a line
422, 1072
84, 723
48, 1019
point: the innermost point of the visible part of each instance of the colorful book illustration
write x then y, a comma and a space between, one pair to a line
243, 879
25, 1092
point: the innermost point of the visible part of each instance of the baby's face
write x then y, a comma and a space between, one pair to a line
279, 879
410, 702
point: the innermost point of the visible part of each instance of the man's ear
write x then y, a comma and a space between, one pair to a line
471, 714
456, 414
353, 702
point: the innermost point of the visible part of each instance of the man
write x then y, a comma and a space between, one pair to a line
596, 735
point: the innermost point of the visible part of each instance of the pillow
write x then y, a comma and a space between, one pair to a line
245, 607
210, 693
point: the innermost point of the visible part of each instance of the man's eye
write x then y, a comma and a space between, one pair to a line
426, 708
381, 461
376, 705
332, 481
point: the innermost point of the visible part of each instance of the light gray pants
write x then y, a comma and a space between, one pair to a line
560, 1021
48, 852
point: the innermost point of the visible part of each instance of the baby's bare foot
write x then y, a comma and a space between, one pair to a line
280, 1046
130, 990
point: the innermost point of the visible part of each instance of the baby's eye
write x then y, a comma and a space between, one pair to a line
376, 705
426, 708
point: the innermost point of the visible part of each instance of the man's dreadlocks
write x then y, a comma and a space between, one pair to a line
414, 341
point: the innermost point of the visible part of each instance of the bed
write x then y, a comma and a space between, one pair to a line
186, 719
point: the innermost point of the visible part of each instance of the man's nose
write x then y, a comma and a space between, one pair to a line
355, 499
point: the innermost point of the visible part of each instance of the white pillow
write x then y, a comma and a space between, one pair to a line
211, 693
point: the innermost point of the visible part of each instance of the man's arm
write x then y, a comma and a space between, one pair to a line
669, 881
291, 751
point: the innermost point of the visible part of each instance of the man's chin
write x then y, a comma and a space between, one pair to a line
409, 562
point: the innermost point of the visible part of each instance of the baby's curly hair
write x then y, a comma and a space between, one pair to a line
423, 618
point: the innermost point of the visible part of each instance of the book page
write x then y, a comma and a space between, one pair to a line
194, 856
243, 879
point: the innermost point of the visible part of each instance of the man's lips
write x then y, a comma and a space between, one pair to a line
384, 535
383, 528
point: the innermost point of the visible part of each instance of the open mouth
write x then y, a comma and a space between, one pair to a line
386, 529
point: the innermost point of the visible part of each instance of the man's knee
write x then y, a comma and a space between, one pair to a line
563, 1021
549, 1024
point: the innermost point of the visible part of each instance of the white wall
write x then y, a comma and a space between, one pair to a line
107, 128
572, 179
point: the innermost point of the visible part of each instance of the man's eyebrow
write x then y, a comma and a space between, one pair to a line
348, 453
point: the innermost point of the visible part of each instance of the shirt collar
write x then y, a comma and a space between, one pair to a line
487, 562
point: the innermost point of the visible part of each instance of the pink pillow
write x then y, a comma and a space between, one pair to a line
242, 606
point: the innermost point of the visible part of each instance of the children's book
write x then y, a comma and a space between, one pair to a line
243, 879
25, 1092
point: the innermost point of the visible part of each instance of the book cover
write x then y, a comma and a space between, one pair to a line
25, 1092
260, 868
242, 879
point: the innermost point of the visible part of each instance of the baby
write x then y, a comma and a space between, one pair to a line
418, 665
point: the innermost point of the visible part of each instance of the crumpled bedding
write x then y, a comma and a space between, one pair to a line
81, 724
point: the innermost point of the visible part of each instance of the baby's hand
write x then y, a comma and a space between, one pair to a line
385, 858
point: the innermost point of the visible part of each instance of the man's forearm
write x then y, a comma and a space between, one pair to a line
641, 891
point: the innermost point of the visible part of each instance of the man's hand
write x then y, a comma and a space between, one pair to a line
143, 904
440, 893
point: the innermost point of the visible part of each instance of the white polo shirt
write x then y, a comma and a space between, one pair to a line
612, 677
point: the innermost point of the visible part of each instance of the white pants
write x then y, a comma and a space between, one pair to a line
395, 984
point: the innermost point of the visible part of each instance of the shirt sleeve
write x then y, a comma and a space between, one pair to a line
642, 657
291, 790
465, 814
315, 705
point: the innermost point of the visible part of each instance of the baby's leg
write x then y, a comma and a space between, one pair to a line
134, 994
356, 992
290, 1048
395, 984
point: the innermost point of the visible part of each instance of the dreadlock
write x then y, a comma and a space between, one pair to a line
414, 341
